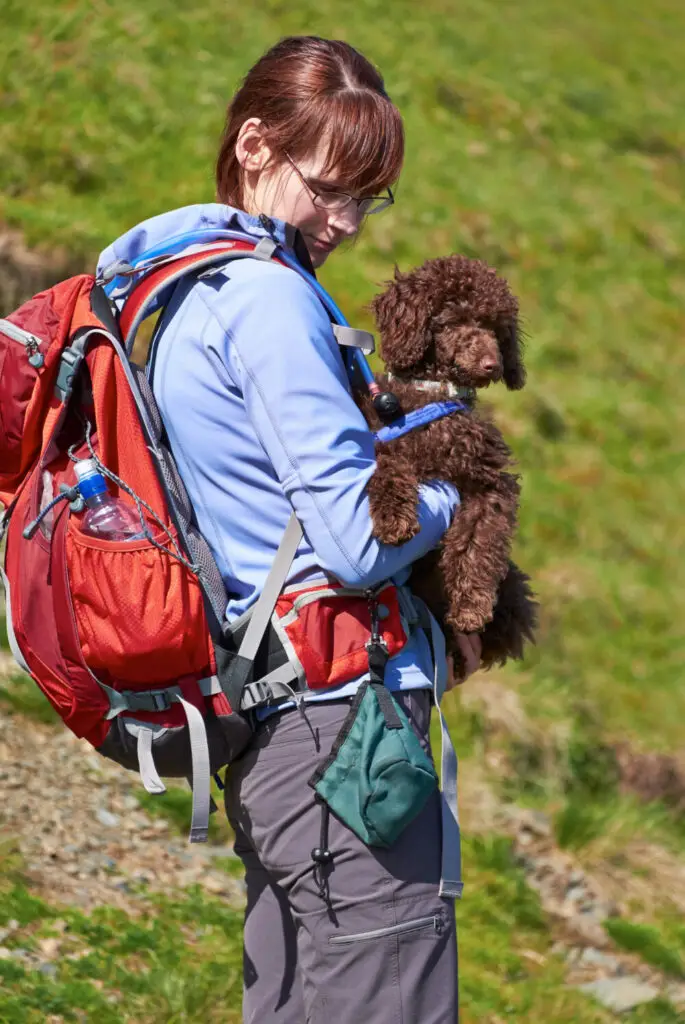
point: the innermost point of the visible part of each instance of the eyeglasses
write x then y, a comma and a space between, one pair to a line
335, 201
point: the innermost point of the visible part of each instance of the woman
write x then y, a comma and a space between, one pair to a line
255, 398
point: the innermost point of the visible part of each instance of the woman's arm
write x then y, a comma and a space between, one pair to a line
280, 350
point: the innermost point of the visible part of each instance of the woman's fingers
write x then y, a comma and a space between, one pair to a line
471, 648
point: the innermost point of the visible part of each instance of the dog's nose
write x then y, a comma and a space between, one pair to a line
489, 365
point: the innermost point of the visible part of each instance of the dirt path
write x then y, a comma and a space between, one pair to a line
82, 834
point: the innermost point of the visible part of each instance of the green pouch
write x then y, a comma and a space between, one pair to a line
378, 776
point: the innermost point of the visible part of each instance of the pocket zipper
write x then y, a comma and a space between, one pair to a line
30, 342
395, 929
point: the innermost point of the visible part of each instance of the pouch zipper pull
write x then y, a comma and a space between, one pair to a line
30, 342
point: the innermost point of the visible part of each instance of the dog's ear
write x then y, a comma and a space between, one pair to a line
511, 347
403, 314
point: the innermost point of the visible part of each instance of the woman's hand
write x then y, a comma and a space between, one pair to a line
471, 648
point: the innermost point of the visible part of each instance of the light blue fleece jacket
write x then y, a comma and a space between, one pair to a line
256, 402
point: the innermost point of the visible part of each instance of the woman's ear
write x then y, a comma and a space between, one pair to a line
402, 315
511, 347
251, 149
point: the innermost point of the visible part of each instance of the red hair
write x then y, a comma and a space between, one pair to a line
305, 89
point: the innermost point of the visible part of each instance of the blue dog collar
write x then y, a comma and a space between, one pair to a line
418, 418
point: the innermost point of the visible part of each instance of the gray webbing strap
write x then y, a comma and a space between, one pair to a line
209, 686
199, 755
451, 884
265, 248
241, 667
263, 609
352, 337
146, 763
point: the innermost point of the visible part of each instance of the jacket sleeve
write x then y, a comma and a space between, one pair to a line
282, 354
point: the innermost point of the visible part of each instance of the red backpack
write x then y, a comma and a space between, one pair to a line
127, 639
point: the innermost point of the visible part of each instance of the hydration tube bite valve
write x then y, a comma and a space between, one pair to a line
386, 404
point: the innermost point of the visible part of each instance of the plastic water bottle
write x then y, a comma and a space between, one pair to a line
106, 517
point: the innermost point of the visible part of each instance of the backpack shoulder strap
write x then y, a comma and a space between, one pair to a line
142, 300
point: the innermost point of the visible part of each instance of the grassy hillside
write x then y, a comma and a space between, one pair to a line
548, 139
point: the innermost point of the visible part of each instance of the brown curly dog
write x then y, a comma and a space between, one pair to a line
446, 329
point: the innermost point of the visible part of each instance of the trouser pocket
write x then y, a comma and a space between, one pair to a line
393, 962
433, 923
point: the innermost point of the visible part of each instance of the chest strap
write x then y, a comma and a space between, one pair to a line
419, 418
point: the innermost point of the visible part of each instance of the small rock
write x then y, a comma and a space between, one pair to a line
592, 957
620, 994
49, 970
106, 818
575, 893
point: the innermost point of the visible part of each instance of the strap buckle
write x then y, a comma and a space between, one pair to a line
255, 694
150, 700
69, 364
160, 699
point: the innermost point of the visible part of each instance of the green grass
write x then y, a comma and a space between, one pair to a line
548, 139
179, 961
660, 1011
21, 695
648, 942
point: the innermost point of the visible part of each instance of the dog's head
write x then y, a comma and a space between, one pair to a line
452, 319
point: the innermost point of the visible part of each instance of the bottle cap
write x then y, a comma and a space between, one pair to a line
90, 479
85, 467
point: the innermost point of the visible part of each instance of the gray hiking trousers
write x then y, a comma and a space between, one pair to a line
369, 942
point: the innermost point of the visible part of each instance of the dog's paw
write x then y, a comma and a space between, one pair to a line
394, 526
468, 620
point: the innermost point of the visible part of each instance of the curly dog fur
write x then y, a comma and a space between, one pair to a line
454, 322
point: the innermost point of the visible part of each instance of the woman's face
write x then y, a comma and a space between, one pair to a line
279, 191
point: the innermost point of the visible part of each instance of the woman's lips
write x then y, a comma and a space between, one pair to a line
321, 244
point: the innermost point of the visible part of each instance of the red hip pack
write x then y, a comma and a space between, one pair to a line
325, 630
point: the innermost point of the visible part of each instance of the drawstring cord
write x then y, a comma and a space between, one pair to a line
321, 854
71, 494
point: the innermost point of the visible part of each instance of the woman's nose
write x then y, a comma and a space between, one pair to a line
347, 220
